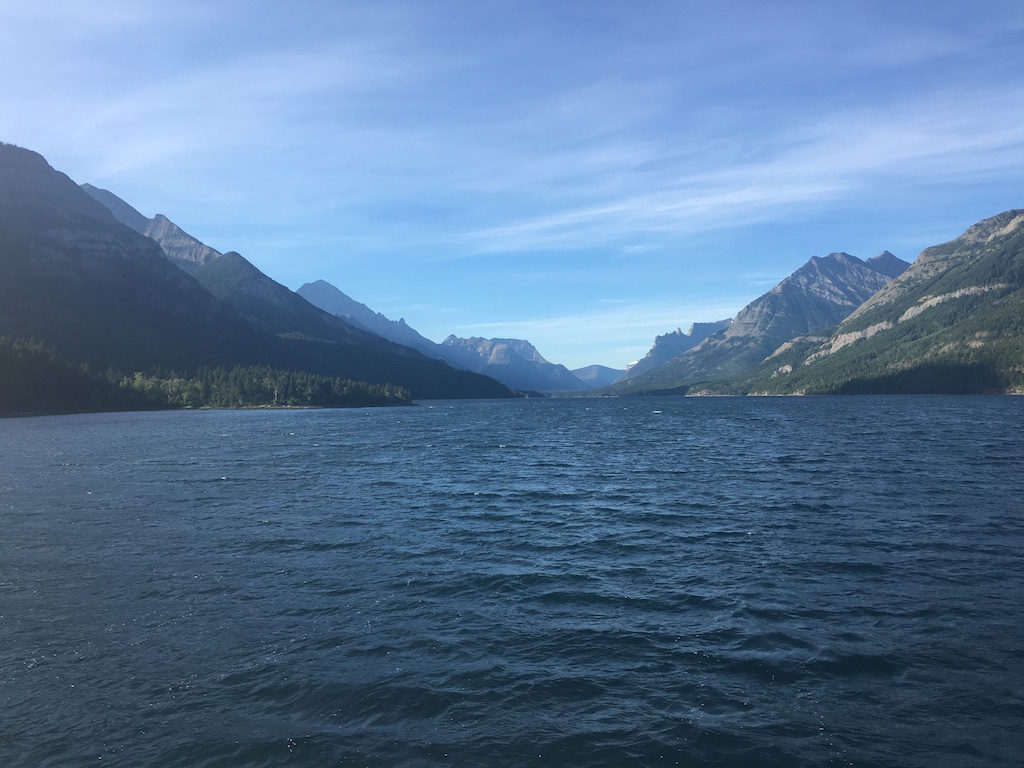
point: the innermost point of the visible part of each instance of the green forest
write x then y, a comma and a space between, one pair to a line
34, 380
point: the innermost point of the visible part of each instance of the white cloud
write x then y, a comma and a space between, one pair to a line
964, 137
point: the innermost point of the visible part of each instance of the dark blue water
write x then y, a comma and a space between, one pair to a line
762, 582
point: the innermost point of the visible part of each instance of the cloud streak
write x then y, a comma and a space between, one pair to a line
952, 137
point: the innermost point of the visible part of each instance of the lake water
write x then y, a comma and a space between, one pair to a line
697, 582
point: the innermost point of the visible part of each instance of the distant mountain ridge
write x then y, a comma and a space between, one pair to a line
598, 376
671, 345
815, 297
258, 298
331, 299
514, 362
74, 278
85, 279
321, 311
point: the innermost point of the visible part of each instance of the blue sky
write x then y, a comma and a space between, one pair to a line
582, 174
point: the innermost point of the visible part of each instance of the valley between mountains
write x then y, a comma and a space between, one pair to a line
102, 308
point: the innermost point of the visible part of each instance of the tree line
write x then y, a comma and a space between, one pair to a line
34, 380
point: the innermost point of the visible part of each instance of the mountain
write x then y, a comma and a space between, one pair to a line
74, 278
327, 297
814, 298
273, 307
887, 264
514, 362
952, 322
674, 344
230, 277
95, 291
185, 251
598, 376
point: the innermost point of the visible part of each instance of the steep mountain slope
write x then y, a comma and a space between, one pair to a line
814, 298
230, 277
514, 362
671, 345
952, 322
98, 292
327, 297
73, 277
185, 251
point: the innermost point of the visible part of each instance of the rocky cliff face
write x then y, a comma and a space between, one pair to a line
179, 246
934, 261
952, 322
327, 297
814, 298
514, 362
671, 345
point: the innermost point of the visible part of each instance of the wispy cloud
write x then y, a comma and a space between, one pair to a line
963, 137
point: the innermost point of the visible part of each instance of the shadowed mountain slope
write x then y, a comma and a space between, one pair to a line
75, 278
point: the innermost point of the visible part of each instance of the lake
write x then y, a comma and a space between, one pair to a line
564, 582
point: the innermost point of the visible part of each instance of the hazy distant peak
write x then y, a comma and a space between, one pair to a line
888, 264
331, 299
598, 375
121, 210
515, 362
670, 345
702, 330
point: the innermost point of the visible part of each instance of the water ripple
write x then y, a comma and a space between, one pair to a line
585, 582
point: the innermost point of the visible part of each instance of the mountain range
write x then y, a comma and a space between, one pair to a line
516, 363
672, 345
953, 322
98, 292
814, 298
102, 307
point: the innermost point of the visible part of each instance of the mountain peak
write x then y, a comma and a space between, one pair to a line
816, 296
514, 362
674, 344
30, 182
887, 264
332, 300
181, 248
